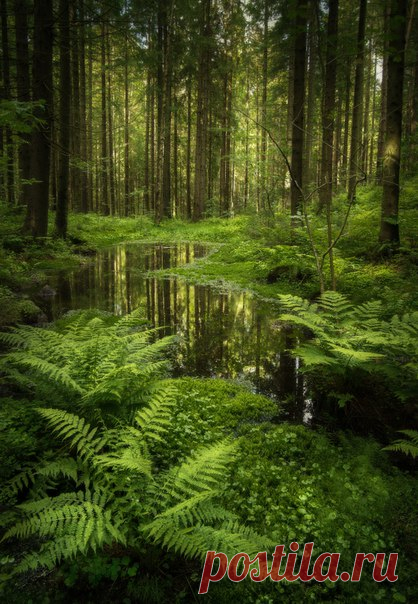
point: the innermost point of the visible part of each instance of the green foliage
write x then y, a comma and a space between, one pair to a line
101, 485
207, 410
105, 367
118, 497
19, 116
16, 309
408, 446
347, 339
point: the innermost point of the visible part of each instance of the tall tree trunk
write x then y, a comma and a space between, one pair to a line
389, 227
188, 150
152, 148
247, 142
312, 76
61, 216
8, 150
23, 90
84, 176
289, 121
383, 98
202, 114
263, 150
90, 123
366, 129
36, 221
344, 162
161, 19
167, 79
371, 147
147, 145
357, 103
328, 108
111, 155
298, 109
75, 110
104, 153
175, 159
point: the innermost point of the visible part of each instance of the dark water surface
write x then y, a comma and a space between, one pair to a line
221, 333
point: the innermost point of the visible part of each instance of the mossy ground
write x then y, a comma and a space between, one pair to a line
256, 253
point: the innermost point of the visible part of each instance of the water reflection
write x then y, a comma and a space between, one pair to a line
221, 333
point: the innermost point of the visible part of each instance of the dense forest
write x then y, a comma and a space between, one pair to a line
208, 290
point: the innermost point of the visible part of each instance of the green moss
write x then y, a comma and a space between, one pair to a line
15, 309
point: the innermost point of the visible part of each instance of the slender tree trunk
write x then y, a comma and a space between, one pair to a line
371, 147
126, 204
247, 142
75, 109
188, 150
9, 152
383, 97
365, 145
90, 124
61, 216
152, 148
175, 158
357, 103
167, 99
111, 155
263, 150
298, 109
328, 108
312, 75
147, 147
202, 114
23, 90
36, 222
289, 127
84, 180
160, 109
344, 163
337, 140
389, 227
104, 149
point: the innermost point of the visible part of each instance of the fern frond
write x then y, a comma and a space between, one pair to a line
46, 369
203, 471
408, 447
335, 306
76, 430
154, 419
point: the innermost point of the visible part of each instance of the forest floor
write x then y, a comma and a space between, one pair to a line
256, 253
322, 477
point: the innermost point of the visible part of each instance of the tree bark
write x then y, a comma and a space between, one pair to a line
8, 149
357, 103
383, 99
104, 155
328, 108
23, 91
200, 180
61, 216
36, 222
298, 109
389, 227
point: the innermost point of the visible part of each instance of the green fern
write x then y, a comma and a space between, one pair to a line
408, 446
118, 496
344, 338
104, 367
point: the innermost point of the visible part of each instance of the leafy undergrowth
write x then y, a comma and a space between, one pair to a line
251, 252
121, 525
